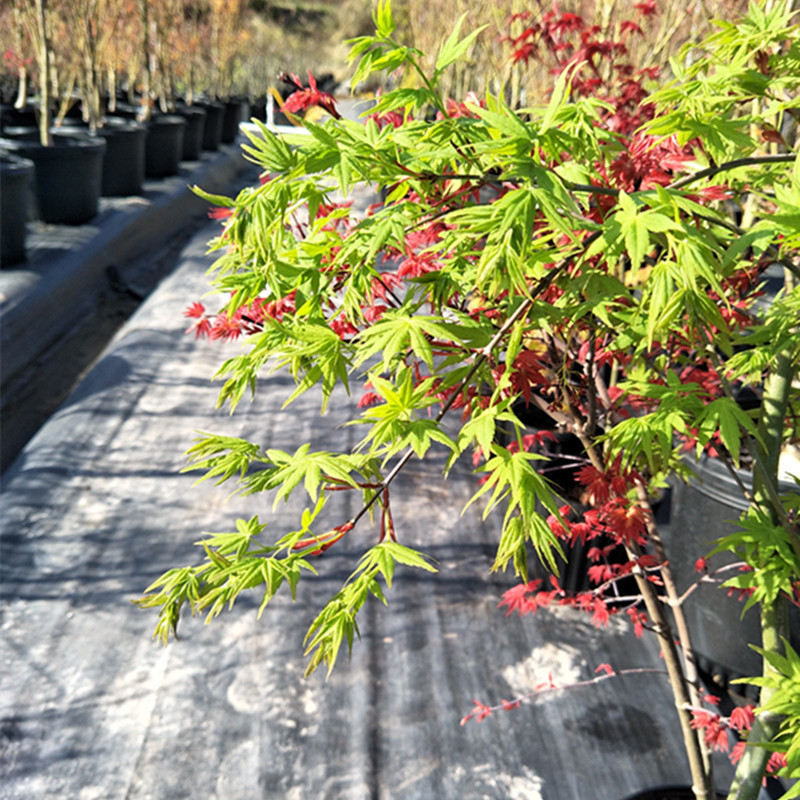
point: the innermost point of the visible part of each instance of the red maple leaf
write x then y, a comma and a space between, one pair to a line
626, 520
306, 97
742, 718
517, 599
647, 8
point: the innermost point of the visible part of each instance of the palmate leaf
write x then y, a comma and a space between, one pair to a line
559, 95
284, 472
269, 150
766, 547
725, 416
240, 541
512, 478
384, 21
419, 435
503, 120
315, 354
406, 98
233, 563
647, 441
408, 556
481, 429
169, 593
634, 225
453, 48
398, 331
221, 457
395, 424
336, 623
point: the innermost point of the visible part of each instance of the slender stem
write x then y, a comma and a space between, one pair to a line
701, 778
774, 617
709, 578
675, 602
750, 161
683, 696
590, 370
145, 112
780, 158
558, 687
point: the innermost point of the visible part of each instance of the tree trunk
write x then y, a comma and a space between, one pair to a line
774, 617
146, 66
45, 70
22, 74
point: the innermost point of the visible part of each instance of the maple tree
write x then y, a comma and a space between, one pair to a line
17, 48
92, 27
591, 263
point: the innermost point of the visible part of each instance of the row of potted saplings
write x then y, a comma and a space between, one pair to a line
62, 184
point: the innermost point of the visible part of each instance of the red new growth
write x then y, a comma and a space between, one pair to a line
307, 97
742, 718
479, 713
202, 324
324, 540
220, 212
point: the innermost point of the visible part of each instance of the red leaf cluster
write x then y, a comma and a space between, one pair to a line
564, 39
308, 96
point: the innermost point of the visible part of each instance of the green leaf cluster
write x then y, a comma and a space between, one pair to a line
512, 265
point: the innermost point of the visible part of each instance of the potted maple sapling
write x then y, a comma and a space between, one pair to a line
17, 61
15, 173
94, 25
548, 257
67, 170
188, 50
229, 44
164, 142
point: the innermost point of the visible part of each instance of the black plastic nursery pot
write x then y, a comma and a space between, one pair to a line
68, 176
164, 145
193, 132
127, 110
704, 510
123, 163
16, 176
212, 130
11, 117
668, 793
258, 109
234, 114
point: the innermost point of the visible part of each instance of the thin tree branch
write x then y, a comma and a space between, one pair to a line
726, 166
480, 359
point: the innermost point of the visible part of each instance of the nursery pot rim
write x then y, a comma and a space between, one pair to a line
670, 791
60, 142
713, 480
